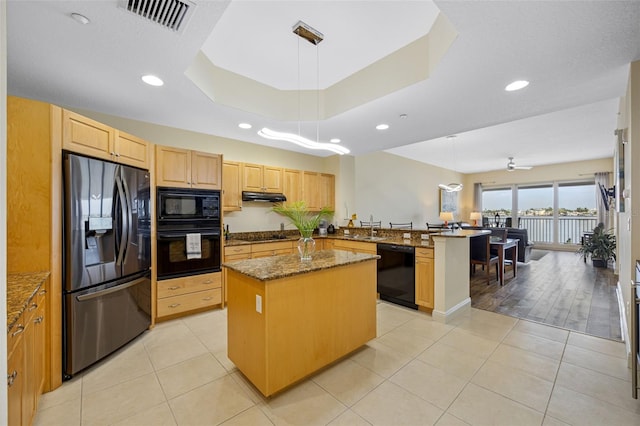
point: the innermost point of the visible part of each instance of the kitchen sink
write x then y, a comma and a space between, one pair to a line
368, 238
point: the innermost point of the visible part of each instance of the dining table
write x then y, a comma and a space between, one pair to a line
501, 247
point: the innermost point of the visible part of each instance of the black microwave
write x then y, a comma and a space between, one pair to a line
177, 206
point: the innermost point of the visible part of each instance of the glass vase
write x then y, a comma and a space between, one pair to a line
306, 247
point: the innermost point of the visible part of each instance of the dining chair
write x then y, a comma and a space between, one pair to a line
436, 226
480, 254
408, 225
377, 224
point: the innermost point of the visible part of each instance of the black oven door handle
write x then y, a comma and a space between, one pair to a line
179, 235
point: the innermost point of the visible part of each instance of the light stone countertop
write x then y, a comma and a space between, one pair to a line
275, 267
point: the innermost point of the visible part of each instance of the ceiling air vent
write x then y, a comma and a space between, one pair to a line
171, 14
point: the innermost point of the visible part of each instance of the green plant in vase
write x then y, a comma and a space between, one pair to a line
600, 246
306, 222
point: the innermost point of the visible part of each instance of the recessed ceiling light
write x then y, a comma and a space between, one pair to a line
382, 126
152, 80
81, 19
403, 116
244, 125
334, 140
516, 85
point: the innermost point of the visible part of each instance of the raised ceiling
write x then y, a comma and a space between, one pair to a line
576, 55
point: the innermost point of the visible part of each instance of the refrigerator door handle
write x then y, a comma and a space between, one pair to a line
110, 290
125, 226
129, 215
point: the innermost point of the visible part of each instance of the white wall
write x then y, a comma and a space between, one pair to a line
3, 207
397, 189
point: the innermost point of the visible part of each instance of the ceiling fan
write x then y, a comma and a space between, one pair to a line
511, 166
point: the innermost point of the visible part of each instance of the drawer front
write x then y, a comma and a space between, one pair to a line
424, 252
188, 302
270, 247
357, 246
271, 253
234, 257
236, 250
193, 283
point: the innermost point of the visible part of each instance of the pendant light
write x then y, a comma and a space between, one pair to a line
314, 37
451, 187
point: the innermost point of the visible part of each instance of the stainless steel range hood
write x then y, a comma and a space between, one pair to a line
263, 196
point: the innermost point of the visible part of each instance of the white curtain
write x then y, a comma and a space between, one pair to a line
603, 214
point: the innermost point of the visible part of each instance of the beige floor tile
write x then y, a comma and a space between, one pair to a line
160, 415
535, 344
425, 327
69, 391
165, 332
393, 315
597, 385
479, 406
606, 364
550, 421
165, 354
541, 330
215, 340
348, 381
129, 363
251, 417
406, 342
597, 344
380, 359
190, 374
429, 383
514, 384
576, 408
210, 404
221, 356
461, 364
64, 414
206, 321
390, 404
303, 404
536, 365
121, 401
469, 342
450, 420
349, 418
486, 330
247, 387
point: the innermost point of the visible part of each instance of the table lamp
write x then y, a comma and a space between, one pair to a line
475, 216
446, 217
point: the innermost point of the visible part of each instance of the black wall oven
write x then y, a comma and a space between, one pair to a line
182, 212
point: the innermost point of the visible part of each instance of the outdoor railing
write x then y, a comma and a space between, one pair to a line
570, 229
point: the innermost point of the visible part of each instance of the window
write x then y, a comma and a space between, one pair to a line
496, 201
535, 211
576, 211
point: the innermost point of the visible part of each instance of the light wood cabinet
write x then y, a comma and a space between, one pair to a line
259, 178
86, 136
271, 249
318, 190
292, 185
424, 277
329, 244
355, 246
26, 362
231, 186
186, 294
182, 168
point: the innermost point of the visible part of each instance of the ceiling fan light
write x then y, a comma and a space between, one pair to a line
516, 85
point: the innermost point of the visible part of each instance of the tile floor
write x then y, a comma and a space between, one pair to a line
485, 368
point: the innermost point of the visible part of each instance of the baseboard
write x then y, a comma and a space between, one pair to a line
453, 312
624, 329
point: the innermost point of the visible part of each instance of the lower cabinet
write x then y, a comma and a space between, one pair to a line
424, 277
355, 246
25, 362
185, 294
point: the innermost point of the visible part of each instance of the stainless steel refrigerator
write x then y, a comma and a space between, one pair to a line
106, 269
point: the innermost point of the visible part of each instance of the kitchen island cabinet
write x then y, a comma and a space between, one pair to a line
288, 318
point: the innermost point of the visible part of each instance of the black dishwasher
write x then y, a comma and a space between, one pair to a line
396, 274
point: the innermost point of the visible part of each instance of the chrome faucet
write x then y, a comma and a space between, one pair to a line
371, 223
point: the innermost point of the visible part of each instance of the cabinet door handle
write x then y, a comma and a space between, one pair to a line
11, 378
175, 287
207, 282
207, 298
19, 329
38, 320
34, 306
43, 292
174, 305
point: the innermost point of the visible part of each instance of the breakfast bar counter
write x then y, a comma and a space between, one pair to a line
288, 318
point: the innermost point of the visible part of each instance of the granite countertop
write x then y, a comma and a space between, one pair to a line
20, 291
385, 240
275, 267
463, 233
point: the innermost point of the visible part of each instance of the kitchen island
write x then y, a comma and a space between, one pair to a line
288, 318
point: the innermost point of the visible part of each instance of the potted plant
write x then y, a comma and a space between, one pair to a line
600, 247
305, 221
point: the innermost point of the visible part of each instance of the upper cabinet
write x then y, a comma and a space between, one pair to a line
292, 185
318, 190
86, 136
182, 168
259, 178
231, 186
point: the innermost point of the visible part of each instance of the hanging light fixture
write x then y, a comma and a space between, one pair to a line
314, 37
451, 187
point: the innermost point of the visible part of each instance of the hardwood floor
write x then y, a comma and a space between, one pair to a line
558, 289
